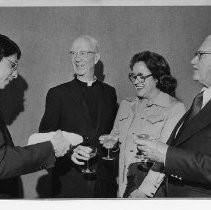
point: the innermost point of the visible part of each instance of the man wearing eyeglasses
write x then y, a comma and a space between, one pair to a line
186, 158
16, 160
87, 107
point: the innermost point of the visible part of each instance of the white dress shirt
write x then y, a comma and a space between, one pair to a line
206, 95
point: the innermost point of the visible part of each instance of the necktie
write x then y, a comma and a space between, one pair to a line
196, 106
194, 110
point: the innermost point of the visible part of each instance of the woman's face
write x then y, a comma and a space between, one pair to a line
8, 70
144, 88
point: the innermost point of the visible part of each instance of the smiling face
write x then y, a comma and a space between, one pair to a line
84, 57
8, 70
202, 64
144, 89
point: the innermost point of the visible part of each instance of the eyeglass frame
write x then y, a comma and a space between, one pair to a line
138, 76
74, 54
13, 68
200, 53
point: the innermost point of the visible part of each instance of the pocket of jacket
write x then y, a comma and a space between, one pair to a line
155, 119
123, 117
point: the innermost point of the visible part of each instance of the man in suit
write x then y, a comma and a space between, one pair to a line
15, 160
87, 107
186, 160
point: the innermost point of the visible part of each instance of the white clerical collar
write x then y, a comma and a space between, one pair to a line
89, 83
206, 95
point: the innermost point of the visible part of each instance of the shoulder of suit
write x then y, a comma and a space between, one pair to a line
107, 86
62, 86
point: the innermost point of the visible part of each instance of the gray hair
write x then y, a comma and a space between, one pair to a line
92, 40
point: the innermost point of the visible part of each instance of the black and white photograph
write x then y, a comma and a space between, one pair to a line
105, 103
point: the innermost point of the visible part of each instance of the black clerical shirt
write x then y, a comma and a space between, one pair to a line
91, 96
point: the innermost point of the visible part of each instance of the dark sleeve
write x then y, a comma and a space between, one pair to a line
189, 165
115, 104
15, 161
51, 117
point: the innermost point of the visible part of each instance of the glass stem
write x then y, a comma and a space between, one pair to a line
87, 165
108, 153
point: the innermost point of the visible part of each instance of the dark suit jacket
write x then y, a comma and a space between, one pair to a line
16, 161
188, 158
66, 110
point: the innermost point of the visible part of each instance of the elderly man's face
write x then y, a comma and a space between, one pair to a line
202, 63
8, 70
84, 57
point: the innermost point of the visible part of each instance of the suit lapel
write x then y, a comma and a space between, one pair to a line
201, 120
176, 132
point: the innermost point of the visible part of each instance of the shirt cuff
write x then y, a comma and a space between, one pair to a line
151, 183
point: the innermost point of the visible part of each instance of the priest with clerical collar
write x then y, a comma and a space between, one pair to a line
85, 106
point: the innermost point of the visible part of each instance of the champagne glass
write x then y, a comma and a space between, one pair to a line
145, 162
92, 154
109, 140
140, 154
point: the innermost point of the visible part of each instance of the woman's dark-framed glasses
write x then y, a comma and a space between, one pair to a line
139, 77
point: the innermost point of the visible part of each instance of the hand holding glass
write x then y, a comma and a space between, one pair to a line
108, 142
140, 154
146, 163
92, 154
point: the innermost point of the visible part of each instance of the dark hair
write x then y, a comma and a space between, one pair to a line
159, 69
8, 47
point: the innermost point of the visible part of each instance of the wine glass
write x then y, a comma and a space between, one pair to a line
109, 140
92, 154
145, 162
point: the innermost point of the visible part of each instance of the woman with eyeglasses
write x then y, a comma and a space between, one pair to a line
152, 114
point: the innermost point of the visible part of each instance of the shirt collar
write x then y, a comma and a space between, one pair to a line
206, 95
89, 83
162, 100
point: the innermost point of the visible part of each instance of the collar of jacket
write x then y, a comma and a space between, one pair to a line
163, 100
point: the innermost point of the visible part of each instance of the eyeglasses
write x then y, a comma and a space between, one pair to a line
200, 53
82, 54
140, 77
13, 65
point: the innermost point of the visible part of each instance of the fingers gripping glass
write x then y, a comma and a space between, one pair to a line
200, 53
145, 163
92, 154
140, 154
139, 77
81, 54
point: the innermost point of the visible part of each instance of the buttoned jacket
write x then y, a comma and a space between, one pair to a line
188, 158
159, 119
